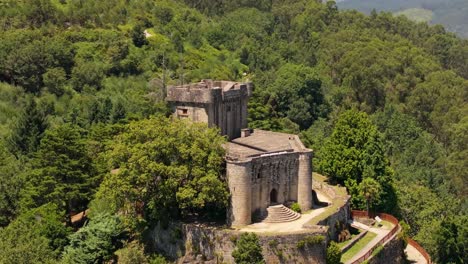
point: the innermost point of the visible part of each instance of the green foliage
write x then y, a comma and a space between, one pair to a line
296, 208
63, 172
55, 80
333, 253
170, 165
248, 250
28, 129
96, 241
309, 241
352, 148
10, 186
36, 236
370, 189
88, 63
296, 93
451, 240
354, 152
132, 253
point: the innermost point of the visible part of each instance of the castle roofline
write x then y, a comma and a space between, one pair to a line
262, 143
205, 90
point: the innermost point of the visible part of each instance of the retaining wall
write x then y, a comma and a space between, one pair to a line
192, 243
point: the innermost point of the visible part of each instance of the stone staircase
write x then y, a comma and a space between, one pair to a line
279, 214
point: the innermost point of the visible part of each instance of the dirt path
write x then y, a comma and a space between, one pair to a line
414, 256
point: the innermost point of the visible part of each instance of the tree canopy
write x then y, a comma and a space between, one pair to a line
376, 96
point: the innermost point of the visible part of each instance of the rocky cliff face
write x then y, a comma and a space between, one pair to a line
192, 243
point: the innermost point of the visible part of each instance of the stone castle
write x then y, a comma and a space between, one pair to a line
263, 168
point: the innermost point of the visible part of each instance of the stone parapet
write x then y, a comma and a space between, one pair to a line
196, 243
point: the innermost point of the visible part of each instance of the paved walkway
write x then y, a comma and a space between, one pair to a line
381, 233
288, 227
414, 256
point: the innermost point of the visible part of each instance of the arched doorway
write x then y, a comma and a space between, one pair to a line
273, 196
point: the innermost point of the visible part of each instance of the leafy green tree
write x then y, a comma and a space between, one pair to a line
28, 130
355, 151
173, 167
55, 79
138, 36
88, 74
36, 236
248, 249
63, 171
296, 93
354, 145
96, 241
451, 240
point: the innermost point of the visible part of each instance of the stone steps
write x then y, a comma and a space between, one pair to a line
279, 214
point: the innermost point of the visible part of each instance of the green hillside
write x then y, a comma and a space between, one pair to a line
84, 123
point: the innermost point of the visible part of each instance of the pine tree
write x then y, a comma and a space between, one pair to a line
118, 112
63, 171
28, 130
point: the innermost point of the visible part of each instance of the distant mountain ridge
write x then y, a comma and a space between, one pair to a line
452, 14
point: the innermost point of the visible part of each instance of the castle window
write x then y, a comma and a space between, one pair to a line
228, 108
182, 112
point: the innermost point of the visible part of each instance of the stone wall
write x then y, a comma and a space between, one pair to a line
336, 220
392, 252
191, 243
276, 172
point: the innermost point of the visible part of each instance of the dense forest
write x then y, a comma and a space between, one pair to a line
382, 101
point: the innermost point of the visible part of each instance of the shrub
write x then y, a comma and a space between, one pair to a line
333, 253
296, 208
248, 250
131, 253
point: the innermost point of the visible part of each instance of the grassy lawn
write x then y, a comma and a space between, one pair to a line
358, 246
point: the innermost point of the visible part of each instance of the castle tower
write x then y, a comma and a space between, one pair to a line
218, 103
264, 169
240, 187
304, 190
